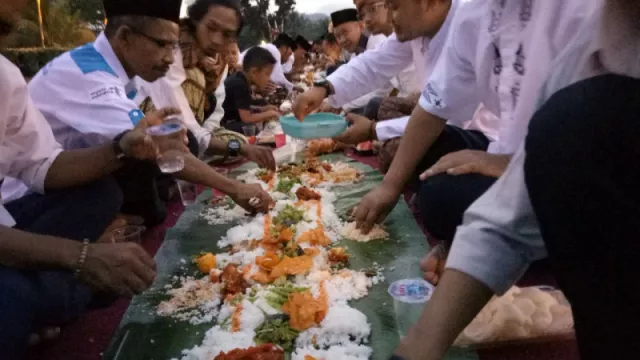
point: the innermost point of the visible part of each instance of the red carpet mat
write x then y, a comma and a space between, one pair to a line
88, 337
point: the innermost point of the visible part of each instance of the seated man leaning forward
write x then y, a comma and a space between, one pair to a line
238, 112
51, 262
86, 93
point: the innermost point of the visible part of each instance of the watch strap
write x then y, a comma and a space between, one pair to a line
117, 149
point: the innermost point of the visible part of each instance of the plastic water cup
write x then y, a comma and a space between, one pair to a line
250, 131
409, 298
168, 137
188, 192
128, 233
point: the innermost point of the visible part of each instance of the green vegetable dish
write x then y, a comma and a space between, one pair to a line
289, 216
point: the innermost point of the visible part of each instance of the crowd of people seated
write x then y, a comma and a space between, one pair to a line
514, 123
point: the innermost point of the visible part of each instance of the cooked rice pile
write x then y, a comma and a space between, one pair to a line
282, 283
350, 232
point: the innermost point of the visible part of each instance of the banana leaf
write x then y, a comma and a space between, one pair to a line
145, 335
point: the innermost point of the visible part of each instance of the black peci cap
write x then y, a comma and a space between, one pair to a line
303, 43
162, 9
287, 40
344, 16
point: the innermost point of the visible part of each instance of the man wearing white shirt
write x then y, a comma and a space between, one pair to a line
349, 32
50, 263
568, 194
422, 28
86, 96
484, 61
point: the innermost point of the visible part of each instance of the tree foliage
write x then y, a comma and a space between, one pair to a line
91, 11
265, 18
62, 26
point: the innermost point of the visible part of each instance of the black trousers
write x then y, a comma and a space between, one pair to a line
443, 199
583, 179
31, 299
145, 187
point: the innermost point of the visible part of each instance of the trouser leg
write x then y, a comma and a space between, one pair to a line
33, 299
582, 175
444, 199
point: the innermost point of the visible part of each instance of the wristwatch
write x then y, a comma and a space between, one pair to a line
117, 148
325, 85
233, 148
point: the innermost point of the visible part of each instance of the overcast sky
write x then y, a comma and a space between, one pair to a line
312, 6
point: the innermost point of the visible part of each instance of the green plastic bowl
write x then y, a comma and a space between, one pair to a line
314, 126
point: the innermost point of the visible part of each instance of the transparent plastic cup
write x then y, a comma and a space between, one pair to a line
250, 131
168, 138
188, 192
128, 233
409, 298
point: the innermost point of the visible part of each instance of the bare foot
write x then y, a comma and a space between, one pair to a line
432, 265
45, 334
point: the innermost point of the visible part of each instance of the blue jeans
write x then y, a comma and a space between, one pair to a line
34, 298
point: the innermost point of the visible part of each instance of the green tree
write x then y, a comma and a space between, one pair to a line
62, 27
91, 11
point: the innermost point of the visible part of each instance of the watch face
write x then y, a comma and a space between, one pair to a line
234, 145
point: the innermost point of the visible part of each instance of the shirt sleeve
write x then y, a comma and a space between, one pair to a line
5, 218
369, 71
167, 92
277, 76
27, 145
500, 236
85, 110
288, 66
451, 92
390, 129
213, 122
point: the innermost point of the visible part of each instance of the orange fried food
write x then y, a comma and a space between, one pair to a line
292, 266
306, 194
309, 357
338, 255
286, 235
268, 261
315, 237
262, 352
321, 146
214, 275
261, 277
233, 281
266, 177
206, 263
304, 310
311, 251
235, 318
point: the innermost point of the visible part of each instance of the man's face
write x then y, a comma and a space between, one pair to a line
408, 18
217, 29
348, 35
233, 54
261, 77
285, 54
300, 54
10, 15
150, 52
374, 14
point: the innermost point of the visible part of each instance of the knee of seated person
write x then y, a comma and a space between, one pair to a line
105, 194
18, 297
435, 193
575, 114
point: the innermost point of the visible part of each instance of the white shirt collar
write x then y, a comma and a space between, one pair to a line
103, 46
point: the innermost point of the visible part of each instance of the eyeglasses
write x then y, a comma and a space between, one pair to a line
371, 9
163, 44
